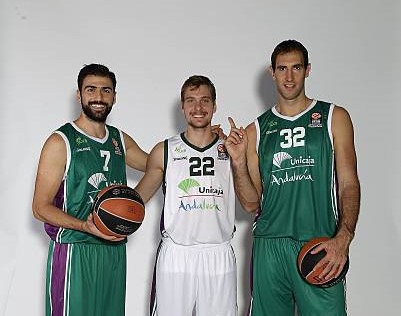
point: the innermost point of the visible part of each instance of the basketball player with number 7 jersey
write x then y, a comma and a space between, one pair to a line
295, 166
86, 269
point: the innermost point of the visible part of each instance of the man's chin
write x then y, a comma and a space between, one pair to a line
96, 118
199, 126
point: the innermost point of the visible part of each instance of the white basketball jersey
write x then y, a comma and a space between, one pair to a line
199, 198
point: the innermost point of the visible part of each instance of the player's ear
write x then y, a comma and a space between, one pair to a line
271, 71
308, 69
214, 107
78, 96
115, 97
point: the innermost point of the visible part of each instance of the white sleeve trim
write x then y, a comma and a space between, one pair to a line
68, 148
329, 123
122, 140
257, 135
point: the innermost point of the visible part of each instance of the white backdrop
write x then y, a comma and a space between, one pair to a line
153, 46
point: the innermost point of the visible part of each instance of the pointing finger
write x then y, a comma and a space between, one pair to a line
232, 124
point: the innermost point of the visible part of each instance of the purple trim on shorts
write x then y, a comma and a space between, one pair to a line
58, 278
57, 202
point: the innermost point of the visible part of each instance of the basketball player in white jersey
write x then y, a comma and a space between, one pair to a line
195, 267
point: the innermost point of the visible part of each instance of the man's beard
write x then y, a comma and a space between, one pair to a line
96, 116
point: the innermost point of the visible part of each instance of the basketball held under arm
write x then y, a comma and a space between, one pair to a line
153, 176
337, 248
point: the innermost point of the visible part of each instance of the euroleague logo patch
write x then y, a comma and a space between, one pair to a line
222, 153
117, 149
315, 120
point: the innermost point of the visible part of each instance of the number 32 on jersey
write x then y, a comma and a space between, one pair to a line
293, 137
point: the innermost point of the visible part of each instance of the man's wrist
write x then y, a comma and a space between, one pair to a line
346, 234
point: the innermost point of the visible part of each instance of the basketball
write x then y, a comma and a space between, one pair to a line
307, 261
118, 210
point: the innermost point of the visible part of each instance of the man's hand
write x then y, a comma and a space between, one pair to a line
89, 227
236, 142
336, 256
216, 129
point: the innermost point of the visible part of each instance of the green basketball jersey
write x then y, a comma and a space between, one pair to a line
92, 164
296, 161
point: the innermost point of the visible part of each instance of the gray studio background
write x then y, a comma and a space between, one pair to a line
153, 46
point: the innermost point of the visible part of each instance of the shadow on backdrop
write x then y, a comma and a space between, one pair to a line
178, 117
266, 89
75, 107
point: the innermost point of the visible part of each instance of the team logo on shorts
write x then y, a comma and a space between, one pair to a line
222, 153
316, 120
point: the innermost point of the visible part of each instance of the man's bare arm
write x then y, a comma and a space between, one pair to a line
241, 145
50, 174
153, 177
135, 157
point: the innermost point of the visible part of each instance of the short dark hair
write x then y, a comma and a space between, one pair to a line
96, 70
289, 46
196, 81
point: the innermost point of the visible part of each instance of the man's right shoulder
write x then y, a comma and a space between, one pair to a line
54, 144
64, 128
56, 138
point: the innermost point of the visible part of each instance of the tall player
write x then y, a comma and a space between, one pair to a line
296, 165
86, 269
195, 267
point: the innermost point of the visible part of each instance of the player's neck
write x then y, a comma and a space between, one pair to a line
199, 137
92, 128
293, 107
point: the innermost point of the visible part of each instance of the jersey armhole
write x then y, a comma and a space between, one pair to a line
257, 135
165, 156
68, 149
122, 141
329, 123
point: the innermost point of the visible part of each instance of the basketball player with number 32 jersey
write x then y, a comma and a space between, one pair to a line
295, 167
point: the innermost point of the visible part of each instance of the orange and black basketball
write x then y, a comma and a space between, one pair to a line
306, 262
118, 210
